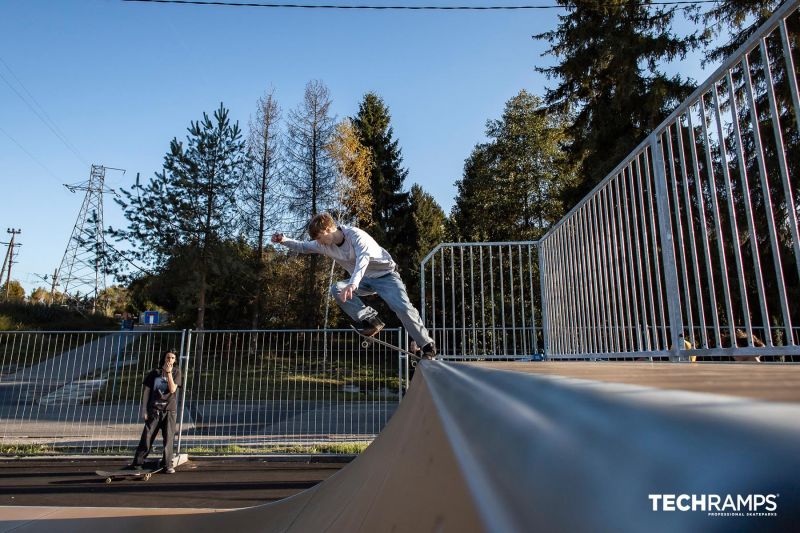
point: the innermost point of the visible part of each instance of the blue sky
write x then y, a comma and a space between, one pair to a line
120, 80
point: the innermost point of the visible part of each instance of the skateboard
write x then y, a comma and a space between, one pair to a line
143, 474
367, 340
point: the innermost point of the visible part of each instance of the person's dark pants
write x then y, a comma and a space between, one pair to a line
156, 419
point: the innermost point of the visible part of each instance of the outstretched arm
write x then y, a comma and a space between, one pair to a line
308, 247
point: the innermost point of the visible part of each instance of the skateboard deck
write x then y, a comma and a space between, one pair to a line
367, 340
143, 474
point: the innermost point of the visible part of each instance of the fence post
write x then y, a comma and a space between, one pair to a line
543, 296
667, 247
186, 342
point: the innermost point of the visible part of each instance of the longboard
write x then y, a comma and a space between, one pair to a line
144, 474
367, 340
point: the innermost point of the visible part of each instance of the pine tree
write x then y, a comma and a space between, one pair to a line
609, 75
427, 230
390, 208
512, 185
188, 207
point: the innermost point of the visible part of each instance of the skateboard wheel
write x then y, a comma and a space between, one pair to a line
108, 480
147, 476
413, 364
365, 344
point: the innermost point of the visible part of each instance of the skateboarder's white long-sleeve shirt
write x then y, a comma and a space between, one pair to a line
359, 254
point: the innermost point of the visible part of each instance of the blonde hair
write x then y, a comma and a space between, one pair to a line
320, 224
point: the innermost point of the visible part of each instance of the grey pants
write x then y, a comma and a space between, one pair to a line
393, 291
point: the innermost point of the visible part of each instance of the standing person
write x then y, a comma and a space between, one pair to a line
159, 409
372, 271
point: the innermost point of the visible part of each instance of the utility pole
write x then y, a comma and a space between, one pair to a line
9, 259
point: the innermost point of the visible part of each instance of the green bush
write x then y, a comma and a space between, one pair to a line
26, 316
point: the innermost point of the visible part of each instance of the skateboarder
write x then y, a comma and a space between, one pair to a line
372, 271
159, 409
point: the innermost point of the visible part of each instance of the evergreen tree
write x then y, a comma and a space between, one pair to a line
427, 230
739, 18
609, 74
512, 185
189, 207
391, 204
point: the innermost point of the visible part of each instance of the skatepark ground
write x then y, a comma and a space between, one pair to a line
490, 447
214, 483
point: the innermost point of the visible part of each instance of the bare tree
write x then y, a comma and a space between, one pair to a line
310, 171
310, 180
261, 207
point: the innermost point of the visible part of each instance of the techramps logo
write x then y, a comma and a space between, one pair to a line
744, 505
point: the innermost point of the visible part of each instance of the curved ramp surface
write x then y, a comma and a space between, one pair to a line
476, 449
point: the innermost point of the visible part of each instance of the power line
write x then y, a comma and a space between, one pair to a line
46, 120
402, 7
36, 159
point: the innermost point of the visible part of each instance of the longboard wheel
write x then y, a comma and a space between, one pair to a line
147, 477
413, 364
108, 480
365, 344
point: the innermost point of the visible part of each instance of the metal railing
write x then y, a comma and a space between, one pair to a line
690, 246
243, 391
482, 300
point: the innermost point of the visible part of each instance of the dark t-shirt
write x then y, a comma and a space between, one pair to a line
160, 397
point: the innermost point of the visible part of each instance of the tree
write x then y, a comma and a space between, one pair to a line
513, 184
739, 18
353, 163
390, 208
310, 181
12, 291
261, 208
609, 75
40, 296
428, 230
189, 205
114, 300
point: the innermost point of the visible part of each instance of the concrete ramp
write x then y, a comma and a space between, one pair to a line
479, 449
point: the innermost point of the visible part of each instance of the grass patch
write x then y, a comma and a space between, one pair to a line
14, 450
343, 448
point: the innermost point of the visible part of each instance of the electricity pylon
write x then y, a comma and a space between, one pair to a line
82, 274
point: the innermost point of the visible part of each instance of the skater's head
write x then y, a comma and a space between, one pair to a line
322, 228
169, 355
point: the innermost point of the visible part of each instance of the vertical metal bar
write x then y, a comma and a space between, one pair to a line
635, 187
463, 303
472, 300
582, 238
625, 238
717, 223
491, 294
606, 289
483, 309
693, 249
502, 301
614, 258
667, 245
651, 192
762, 167
511, 294
789, 59
186, 344
701, 208
735, 239
524, 331
534, 340
647, 246
780, 154
545, 295
453, 299
751, 224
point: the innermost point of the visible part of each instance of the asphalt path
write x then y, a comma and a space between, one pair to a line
204, 483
